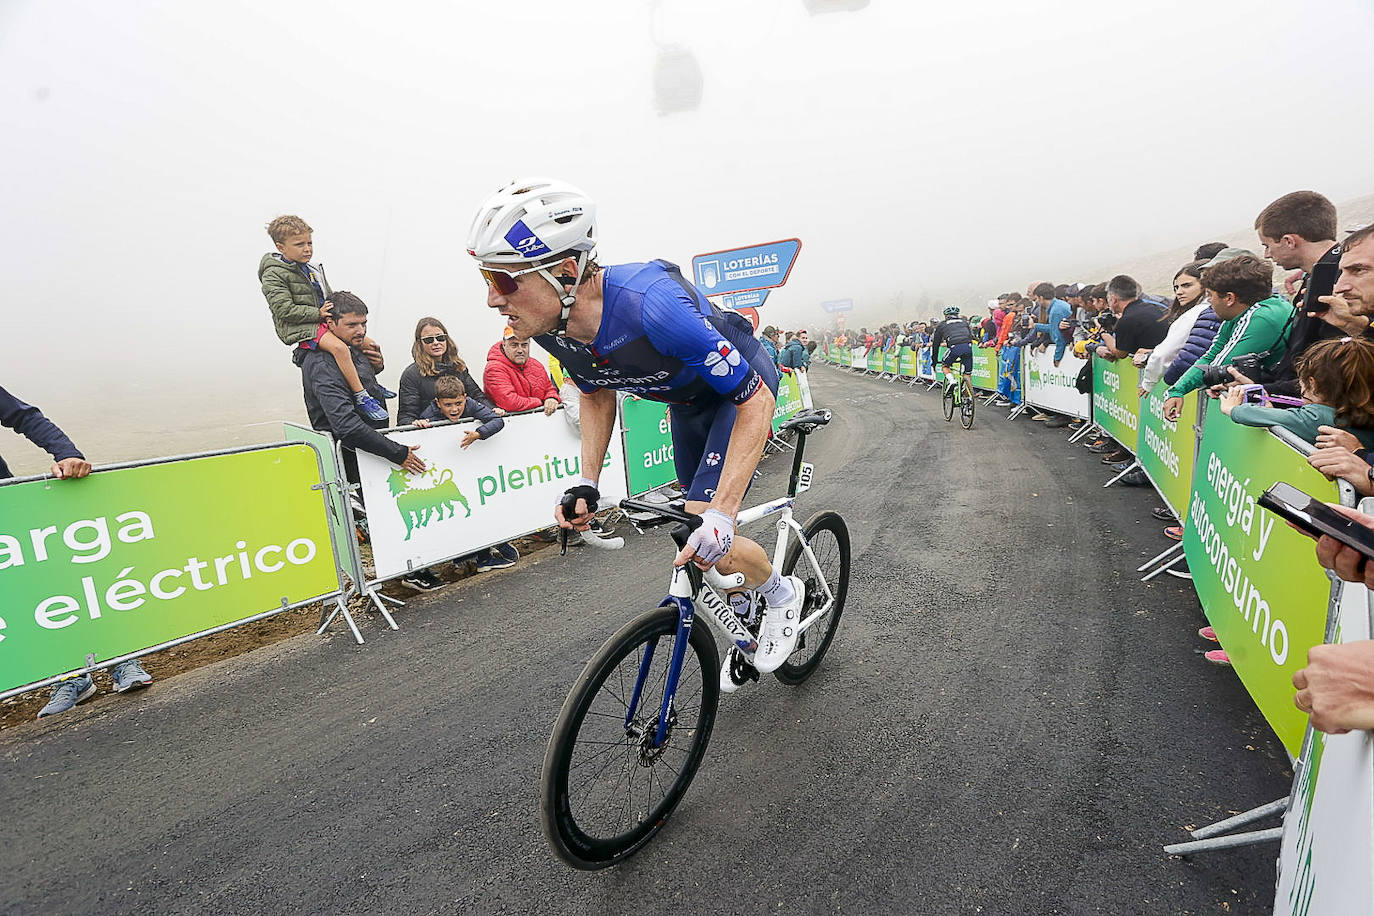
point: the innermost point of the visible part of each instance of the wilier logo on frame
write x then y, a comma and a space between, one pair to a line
418, 505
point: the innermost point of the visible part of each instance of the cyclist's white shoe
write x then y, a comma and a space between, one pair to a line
778, 635
736, 671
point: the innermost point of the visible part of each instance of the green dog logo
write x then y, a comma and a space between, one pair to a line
417, 505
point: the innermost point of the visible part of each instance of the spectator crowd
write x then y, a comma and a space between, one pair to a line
1281, 334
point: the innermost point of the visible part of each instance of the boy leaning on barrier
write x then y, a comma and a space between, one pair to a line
451, 402
68, 464
298, 295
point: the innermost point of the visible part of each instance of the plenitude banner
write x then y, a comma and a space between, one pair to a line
495, 489
1043, 384
1257, 578
1167, 450
1116, 405
985, 368
137, 557
1328, 829
648, 444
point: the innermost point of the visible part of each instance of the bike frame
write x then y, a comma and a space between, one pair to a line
689, 587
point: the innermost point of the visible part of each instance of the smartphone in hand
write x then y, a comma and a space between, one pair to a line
1315, 518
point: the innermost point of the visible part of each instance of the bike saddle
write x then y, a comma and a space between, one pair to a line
808, 420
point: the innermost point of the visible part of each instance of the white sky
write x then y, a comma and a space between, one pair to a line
950, 149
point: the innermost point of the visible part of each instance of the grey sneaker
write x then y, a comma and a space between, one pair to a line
129, 675
67, 694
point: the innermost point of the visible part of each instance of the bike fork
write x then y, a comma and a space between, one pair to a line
679, 598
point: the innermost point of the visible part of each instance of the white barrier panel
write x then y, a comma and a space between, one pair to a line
1053, 387
804, 383
1328, 832
492, 491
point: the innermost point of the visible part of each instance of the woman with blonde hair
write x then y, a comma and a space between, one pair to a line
435, 354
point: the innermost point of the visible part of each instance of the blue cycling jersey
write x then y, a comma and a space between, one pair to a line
664, 341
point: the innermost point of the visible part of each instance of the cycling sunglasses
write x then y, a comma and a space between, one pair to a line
504, 280
437, 338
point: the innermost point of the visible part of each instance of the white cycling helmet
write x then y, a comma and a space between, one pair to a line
533, 220
536, 221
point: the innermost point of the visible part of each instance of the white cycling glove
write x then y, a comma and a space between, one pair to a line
713, 538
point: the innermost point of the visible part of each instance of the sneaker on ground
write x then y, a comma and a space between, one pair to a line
129, 675
1218, 657
67, 694
1040, 416
488, 560
778, 635
1161, 513
507, 550
1056, 422
370, 405
1174, 532
1101, 448
1121, 465
736, 671
422, 580
1180, 571
1116, 457
1208, 633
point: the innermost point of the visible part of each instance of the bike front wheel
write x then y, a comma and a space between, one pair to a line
608, 785
828, 537
949, 402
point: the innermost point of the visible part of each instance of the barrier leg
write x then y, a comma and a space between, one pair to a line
1173, 561
340, 607
1131, 467
377, 599
1083, 433
1020, 409
1240, 820
1226, 842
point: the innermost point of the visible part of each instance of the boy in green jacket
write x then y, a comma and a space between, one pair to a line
1239, 289
298, 295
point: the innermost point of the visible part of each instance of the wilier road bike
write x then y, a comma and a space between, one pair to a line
634, 728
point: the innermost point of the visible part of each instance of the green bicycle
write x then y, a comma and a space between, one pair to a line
959, 394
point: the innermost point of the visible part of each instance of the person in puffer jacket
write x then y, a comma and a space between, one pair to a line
1199, 341
514, 381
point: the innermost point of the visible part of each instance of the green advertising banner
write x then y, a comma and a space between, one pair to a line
908, 366
1257, 578
985, 368
874, 360
137, 557
1116, 407
790, 399
1167, 451
648, 445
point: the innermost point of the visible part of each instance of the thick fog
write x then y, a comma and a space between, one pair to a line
916, 150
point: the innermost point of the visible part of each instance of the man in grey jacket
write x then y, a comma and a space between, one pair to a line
332, 408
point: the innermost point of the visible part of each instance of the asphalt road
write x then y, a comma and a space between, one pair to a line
1008, 722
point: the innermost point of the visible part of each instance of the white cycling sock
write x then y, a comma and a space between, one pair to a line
777, 590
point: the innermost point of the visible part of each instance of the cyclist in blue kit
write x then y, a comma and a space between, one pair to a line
644, 329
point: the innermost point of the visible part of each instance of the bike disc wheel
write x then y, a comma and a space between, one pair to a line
966, 408
828, 537
605, 790
949, 403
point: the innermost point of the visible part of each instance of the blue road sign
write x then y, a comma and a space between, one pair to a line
838, 305
737, 270
750, 300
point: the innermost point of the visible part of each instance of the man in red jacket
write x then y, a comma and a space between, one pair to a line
514, 381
